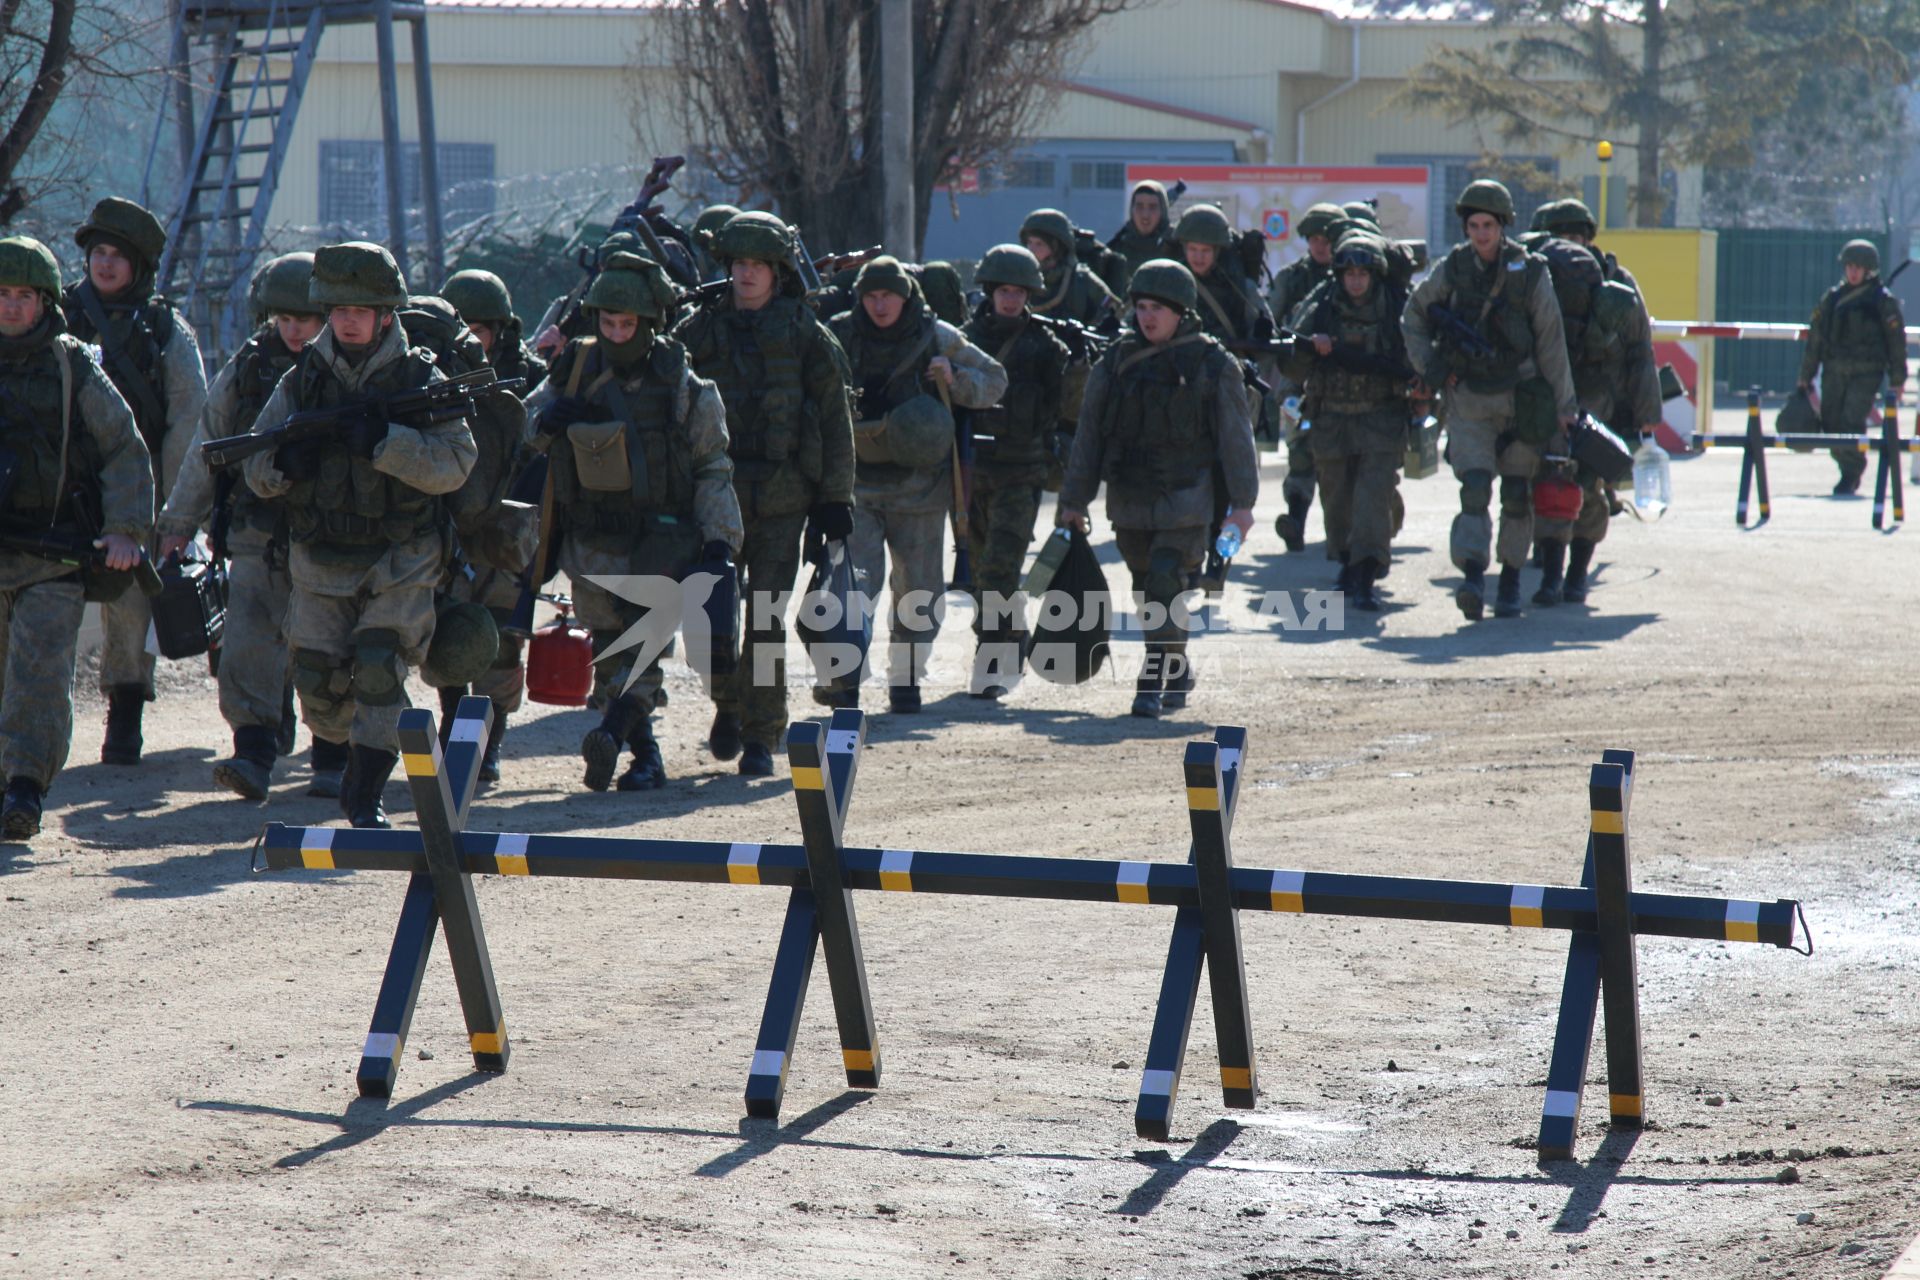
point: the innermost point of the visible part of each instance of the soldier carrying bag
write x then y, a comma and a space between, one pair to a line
190, 613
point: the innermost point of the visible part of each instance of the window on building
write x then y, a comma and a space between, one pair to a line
353, 181
1448, 176
1098, 175
1030, 172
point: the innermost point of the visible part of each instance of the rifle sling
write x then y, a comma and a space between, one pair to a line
136, 382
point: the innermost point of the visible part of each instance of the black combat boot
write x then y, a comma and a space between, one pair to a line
20, 816
1553, 562
328, 760
1146, 695
1292, 526
1180, 680
756, 760
366, 785
490, 759
1507, 603
1579, 560
601, 747
1471, 595
838, 699
449, 708
723, 739
126, 703
250, 772
647, 772
283, 732
1362, 594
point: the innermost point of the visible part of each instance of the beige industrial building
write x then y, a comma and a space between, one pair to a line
545, 106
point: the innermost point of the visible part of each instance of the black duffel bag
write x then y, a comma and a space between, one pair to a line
1595, 446
190, 613
1070, 631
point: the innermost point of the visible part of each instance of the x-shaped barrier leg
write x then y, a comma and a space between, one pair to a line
1887, 475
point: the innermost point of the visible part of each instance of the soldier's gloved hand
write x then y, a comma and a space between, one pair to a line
298, 459
365, 433
831, 520
562, 413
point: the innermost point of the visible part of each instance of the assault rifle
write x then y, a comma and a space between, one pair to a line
1455, 328
436, 402
832, 264
1083, 342
80, 547
566, 308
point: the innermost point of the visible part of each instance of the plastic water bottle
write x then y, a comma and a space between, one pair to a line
1227, 545
1652, 478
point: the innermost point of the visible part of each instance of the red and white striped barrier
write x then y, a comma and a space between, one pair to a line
1670, 329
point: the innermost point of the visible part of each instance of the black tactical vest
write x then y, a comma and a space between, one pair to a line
1159, 430
1853, 321
258, 368
1018, 425
131, 354
887, 363
348, 503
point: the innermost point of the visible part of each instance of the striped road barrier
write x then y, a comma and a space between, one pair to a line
1753, 443
1772, 332
1604, 914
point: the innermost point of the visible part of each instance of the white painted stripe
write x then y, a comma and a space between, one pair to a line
900, 860
381, 1044
316, 838
1132, 873
767, 1062
1157, 1082
466, 731
743, 855
1529, 897
840, 742
512, 844
1562, 1103
1289, 882
1743, 913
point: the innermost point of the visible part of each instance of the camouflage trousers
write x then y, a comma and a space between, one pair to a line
1849, 405
349, 651
123, 643
1161, 563
1480, 448
769, 564
253, 650
905, 523
39, 633
504, 683
1596, 505
1297, 488
607, 616
1000, 514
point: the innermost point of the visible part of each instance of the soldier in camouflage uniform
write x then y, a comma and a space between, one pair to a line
1320, 226
483, 301
365, 514
1012, 453
708, 222
1147, 235
1073, 291
65, 422
1503, 364
642, 486
1229, 309
1354, 367
253, 650
1166, 413
783, 379
1610, 345
1856, 340
905, 365
149, 351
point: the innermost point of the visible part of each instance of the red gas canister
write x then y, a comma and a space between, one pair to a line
1556, 498
560, 663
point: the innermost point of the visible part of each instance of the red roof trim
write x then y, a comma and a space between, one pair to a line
1154, 104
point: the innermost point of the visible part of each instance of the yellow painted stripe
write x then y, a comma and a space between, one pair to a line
1743, 931
1236, 1077
508, 864
742, 873
805, 779
1624, 1104
857, 1059
1526, 917
897, 881
1608, 823
317, 859
1207, 798
418, 766
1132, 893
1294, 902
488, 1041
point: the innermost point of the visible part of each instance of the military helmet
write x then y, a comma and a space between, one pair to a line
618, 242
753, 234
714, 217
919, 432
1358, 248
356, 274
1054, 225
1010, 264
1323, 219
1166, 281
127, 222
1860, 253
25, 261
884, 272
1484, 195
280, 287
466, 640
1204, 224
628, 282
479, 296
1567, 215
1362, 212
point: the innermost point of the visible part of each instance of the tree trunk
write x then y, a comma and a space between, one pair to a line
1649, 196
47, 83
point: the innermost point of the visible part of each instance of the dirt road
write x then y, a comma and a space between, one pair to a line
183, 1032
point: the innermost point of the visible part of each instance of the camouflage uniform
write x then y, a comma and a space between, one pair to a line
902, 510
783, 380
368, 540
1857, 340
150, 352
1160, 424
88, 436
1134, 248
1012, 453
1510, 305
1291, 285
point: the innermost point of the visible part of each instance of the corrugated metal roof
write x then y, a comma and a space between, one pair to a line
1401, 10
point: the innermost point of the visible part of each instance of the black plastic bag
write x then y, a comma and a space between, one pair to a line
1070, 629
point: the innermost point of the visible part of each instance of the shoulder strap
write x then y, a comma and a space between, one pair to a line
1151, 350
136, 381
919, 350
65, 358
1219, 312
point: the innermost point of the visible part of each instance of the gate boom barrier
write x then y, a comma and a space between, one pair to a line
1754, 442
1604, 914
1770, 331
